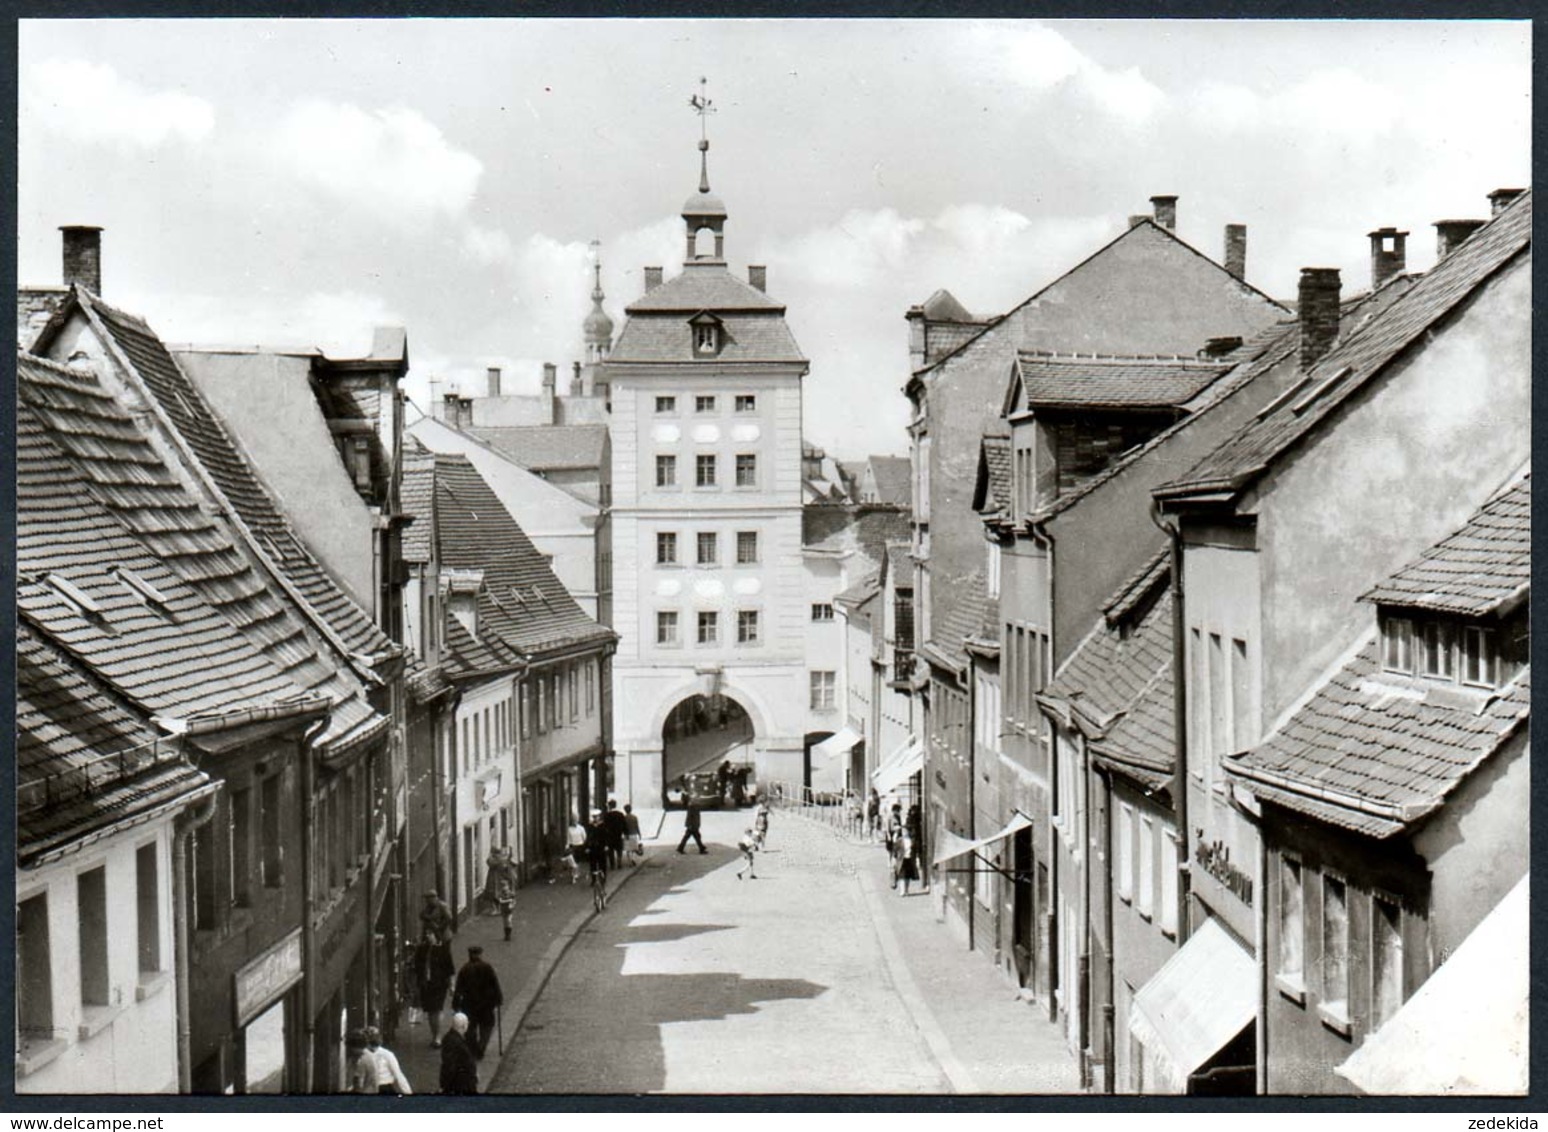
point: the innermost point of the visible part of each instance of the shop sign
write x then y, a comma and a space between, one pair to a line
267, 977
1214, 858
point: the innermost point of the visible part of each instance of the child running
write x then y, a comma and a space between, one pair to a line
746, 845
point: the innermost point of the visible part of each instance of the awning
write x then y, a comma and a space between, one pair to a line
953, 846
835, 745
901, 765
1465, 1030
1202, 998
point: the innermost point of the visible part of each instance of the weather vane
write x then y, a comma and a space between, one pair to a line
703, 106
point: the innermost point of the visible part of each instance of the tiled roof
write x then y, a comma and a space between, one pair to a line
1362, 355
704, 289
416, 495
993, 494
1482, 568
548, 447
1374, 751
1063, 381
522, 605
861, 592
751, 337
94, 497
221, 457
83, 759
943, 306
962, 621
891, 474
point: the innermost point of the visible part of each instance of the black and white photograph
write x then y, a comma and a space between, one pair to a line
768, 558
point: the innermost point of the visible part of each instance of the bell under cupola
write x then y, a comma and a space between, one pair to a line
704, 211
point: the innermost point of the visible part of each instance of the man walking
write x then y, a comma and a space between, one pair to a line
477, 994
634, 844
617, 833
459, 1070
389, 1074
691, 829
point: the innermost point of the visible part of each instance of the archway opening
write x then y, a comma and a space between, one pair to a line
700, 734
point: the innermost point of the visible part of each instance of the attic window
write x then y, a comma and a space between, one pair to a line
706, 338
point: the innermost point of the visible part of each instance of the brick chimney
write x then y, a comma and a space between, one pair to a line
550, 382
459, 411
758, 276
577, 387
1236, 250
492, 377
652, 279
1318, 301
1499, 200
1165, 209
1389, 255
1450, 233
83, 256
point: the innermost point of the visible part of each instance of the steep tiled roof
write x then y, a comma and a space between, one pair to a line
752, 337
522, 605
1485, 566
415, 498
704, 289
83, 758
1357, 359
1063, 381
943, 306
548, 447
95, 504
992, 495
891, 474
221, 457
963, 620
1375, 752
861, 592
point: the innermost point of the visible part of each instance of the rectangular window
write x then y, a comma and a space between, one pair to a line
1386, 959
591, 688
666, 471
1198, 705
1125, 852
1219, 721
709, 628
1480, 663
147, 906
993, 579
1335, 948
666, 404
702, 403
705, 340
746, 548
541, 715
91, 902
1292, 923
746, 403
201, 864
1167, 913
746, 470
1146, 894
747, 626
34, 969
273, 844
553, 700
524, 708
1242, 731
709, 548
1436, 654
241, 846
666, 548
704, 470
822, 691
666, 627
1398, 644
822, 611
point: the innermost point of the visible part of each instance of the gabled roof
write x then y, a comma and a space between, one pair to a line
704, 288
1067, 381
891, 474
416, 496
522, 605
964, 620
542, 448
1483, 568
84, 760
861, 592
1355, 361
992, 492
943, 306
1376, 752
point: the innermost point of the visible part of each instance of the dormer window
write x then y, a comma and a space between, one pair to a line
1452, 650
707, 335
1435, 647
1480, 656
1397, 645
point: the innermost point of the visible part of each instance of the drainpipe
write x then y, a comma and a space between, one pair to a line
1263, 977
1109, 1084
183, 827
1049, 915
1084, 995
1179, 784
972, 822
309, 905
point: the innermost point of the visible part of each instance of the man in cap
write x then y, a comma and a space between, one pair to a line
477, 994
435, 918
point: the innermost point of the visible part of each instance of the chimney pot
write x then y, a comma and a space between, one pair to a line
1500, 199
1236, 250
1165, 208
83, 256
652, 278
1318, 302
493, 379
1389, 255
758, 276
1450, 233
550, 375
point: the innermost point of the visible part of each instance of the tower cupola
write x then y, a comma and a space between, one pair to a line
704, 211
598, 328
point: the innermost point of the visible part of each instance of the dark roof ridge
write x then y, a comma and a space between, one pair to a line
1168, 360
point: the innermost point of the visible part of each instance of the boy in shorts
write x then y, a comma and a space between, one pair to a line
746, 845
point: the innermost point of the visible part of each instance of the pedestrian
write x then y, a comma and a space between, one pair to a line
362, 1064
617, 833
389, 1074
577, 847
501, 885
433, 971
894, 827
477, 994
634, 844
723, 779
851, 811
435, 917
873, 814
747, 844
761, 823
459, 1068
691, 828
908, 867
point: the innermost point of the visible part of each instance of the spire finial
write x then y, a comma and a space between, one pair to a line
703, 107
596, 267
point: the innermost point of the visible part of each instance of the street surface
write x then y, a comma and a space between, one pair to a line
813, 978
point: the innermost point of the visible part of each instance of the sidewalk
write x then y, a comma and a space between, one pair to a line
546, 919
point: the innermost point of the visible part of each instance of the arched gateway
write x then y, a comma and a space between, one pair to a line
701, 733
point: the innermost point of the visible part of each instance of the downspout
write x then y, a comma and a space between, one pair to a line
1261, 1058
1049, 915
309, 905
367, 803
1179, 723
1082, 810
186, 823
1109, 1032
972, 822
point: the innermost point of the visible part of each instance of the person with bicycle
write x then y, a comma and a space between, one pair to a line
598, 853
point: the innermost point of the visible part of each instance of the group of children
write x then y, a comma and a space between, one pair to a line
752, 841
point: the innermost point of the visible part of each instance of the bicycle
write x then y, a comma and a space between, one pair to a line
599, 889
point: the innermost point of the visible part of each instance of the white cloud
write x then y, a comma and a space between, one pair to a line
1037, 57
487, 245
339, 323
92, 102
392, 161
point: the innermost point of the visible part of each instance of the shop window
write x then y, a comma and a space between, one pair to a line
147, 903
91, 904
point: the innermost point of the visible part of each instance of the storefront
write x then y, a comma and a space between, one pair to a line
266, 1035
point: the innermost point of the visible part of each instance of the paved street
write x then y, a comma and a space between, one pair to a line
813, 978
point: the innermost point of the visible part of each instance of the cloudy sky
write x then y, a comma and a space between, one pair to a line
297, 182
